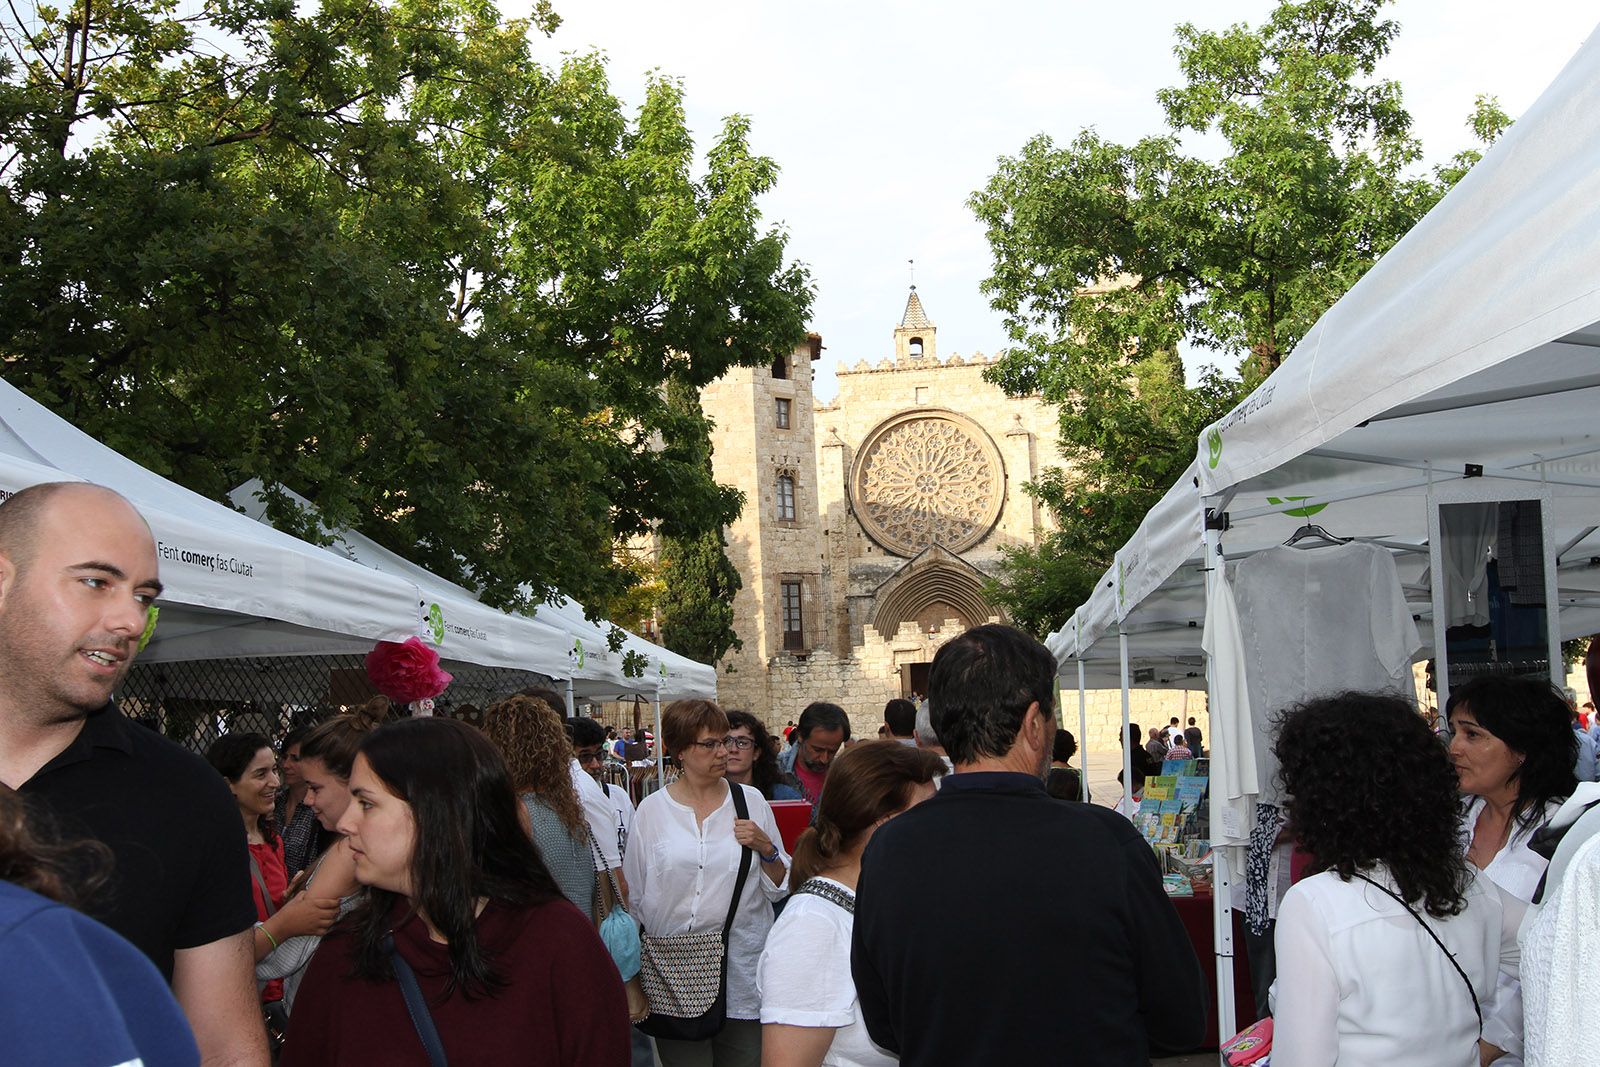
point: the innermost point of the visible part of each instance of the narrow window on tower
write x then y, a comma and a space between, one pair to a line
786, 497
794, 634
783, 413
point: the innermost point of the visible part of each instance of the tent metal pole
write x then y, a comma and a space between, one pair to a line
1127, 743
1083, 737
1221, 873
661, 766
572, 708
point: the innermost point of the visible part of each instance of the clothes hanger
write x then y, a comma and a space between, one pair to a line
1311, 530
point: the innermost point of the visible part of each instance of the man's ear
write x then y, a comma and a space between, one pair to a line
1036, 725
8, 577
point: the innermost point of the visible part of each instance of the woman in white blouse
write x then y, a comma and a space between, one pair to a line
1513, 747
809, 1011
1390, 952
682, 863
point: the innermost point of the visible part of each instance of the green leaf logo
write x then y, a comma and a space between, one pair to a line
1122, 590
577, 653
1214, 448
1299, 513
436, 623
150, 617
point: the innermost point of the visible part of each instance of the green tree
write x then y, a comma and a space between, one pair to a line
1109, 260
381, 255
698, 581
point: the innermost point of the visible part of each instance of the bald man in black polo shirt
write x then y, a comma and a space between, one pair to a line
78, 573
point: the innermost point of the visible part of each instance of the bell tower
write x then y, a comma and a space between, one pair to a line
915, 337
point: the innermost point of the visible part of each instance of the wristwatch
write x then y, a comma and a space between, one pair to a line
772, 858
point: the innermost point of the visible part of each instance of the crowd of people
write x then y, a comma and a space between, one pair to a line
380, 888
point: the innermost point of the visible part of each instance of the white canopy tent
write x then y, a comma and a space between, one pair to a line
557, 640
1465, 364
233, 586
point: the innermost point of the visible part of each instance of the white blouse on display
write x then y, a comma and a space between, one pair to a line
681, 876
804, 979
1360, 981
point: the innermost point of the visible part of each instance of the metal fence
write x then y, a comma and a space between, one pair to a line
196, 702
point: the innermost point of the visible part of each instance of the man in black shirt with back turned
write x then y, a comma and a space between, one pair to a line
996, 925
77, 577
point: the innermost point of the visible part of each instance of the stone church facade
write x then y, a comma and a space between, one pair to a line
870, 522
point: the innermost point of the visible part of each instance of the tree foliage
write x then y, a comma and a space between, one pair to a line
384, 256
1110, 260
698, 581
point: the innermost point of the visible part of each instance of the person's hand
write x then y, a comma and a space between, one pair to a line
304, 915
752, 837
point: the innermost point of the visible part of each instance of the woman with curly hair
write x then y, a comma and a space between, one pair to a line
1385, 953
72, 990
751, 760
529, 734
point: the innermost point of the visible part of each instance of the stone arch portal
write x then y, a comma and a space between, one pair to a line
929, 589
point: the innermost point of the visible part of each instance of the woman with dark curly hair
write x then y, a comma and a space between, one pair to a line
72, 990
1385, 952
1513, 747
751, 759
529, 734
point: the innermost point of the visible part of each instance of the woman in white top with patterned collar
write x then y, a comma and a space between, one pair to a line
683, 863
1513, 747
1388, 953
809, 1012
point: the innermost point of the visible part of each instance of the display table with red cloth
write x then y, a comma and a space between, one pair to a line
1199, 920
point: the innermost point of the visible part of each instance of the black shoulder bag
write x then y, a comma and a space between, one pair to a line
416, 1006
685, 976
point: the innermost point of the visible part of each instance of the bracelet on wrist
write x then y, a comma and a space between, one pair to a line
270, 939
771, 857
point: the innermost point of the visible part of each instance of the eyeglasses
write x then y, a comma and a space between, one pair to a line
740, 743
711, 744
589, 755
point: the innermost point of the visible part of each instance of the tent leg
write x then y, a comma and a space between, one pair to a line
1221, 870
572, 708
661, 766
1083, 737
1127, 749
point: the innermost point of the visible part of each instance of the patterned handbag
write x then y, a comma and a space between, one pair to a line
685, 975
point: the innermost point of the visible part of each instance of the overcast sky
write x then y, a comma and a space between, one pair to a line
885, 115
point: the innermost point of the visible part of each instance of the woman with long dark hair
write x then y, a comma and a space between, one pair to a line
327, 754
1390, 950
249, 765
538, 754
457, 898
809, 1012
752, 759
1513, 747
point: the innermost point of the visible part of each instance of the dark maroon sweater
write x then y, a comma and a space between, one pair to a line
563, 1002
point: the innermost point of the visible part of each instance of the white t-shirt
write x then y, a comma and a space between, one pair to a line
1360, 981
681, 876
599, 814
804, 979
623, 805
1317, 622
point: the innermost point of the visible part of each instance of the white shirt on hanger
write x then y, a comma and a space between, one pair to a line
1319, 621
